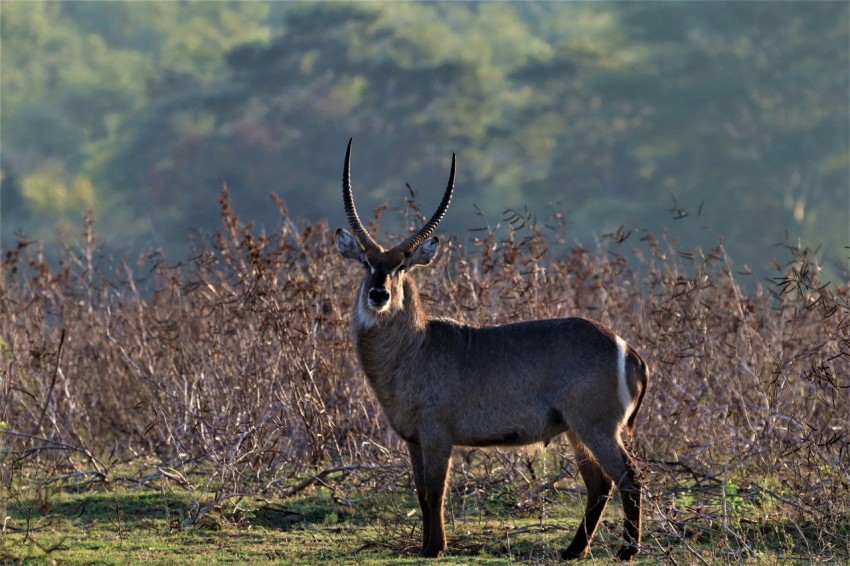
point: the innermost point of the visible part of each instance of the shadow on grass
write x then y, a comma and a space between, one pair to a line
138, 508
129, 506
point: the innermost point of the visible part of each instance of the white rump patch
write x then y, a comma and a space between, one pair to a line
622, 387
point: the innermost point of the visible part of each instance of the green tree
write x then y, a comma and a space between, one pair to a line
731, 104
279, 118
606, 109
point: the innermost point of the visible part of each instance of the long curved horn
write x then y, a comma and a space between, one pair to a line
353, 220
415, 240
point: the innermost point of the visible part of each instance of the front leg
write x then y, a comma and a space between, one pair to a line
416, 462
436, 461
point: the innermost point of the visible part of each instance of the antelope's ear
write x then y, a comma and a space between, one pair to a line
425, 253
348, 246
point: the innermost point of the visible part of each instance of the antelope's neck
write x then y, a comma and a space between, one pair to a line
387, 345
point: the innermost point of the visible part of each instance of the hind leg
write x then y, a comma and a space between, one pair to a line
599, 488
617, 464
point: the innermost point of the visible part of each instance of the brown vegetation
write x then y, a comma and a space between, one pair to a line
238, 364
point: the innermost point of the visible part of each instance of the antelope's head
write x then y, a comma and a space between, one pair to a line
382, 290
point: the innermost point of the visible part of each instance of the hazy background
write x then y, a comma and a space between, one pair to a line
611, 114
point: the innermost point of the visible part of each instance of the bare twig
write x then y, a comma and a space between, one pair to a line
52, 384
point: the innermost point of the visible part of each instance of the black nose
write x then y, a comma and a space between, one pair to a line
378, 296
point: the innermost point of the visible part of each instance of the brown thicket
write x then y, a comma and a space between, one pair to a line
232, 373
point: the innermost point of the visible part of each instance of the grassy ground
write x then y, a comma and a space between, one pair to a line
121, 525
147, 526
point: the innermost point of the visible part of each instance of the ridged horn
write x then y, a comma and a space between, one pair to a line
350, 211
415, 240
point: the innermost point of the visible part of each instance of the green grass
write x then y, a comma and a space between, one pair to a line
145, 525
140, 525
123, 526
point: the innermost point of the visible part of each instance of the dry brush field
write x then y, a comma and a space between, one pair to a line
229, 380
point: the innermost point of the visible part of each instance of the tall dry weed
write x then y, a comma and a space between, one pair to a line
232, 372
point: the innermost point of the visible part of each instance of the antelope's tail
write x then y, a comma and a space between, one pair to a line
636, 365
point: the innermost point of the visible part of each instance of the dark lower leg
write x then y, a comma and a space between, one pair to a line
631, 494
598, 491
581, 542
615, 462
426, 519
419, 479
436, 471
436, 541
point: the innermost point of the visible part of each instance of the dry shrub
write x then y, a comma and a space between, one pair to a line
232, 373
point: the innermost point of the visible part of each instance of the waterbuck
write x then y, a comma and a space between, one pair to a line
443, 383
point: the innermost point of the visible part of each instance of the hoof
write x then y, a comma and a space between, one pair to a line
573, 554
626, 552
